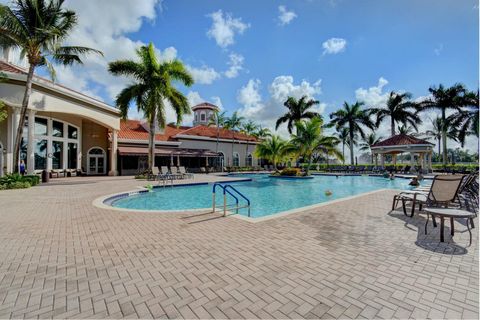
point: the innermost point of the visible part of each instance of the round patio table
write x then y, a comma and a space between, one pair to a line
453, 214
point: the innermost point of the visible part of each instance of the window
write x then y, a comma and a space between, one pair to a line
196, 117
249, 161
202, 117
41, 127
72, 132
41, 154
236, 160
57, 128
57, 155
72, 156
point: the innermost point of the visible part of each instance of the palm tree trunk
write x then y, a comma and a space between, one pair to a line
233, 142
444, 137
151, 142
392, 126
23, 114
439, 143
307, 170
351, 149
343, 152
216, 146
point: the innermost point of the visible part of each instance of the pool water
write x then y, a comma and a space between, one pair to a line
267, 195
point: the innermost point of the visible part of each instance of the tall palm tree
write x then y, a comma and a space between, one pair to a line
151, 88
398, 108
370, 140
309, 140
354, 118
248, 128
344, 137
262, 133
406, 130
444, 99
218, 120
297, 110
38, 28
437, 132
274, 149
467, 119
234, 123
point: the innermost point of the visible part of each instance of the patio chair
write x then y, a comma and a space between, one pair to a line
184, 172
176, 174
154, 175
443, 192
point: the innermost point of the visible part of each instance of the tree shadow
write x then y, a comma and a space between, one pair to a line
431, 240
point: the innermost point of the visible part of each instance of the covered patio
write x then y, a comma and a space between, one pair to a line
133, 159
402, 143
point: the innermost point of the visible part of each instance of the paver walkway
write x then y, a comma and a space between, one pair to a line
62, 257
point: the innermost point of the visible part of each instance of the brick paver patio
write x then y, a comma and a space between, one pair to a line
62, 257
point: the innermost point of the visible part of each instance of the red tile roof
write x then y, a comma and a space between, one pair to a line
7, 67
133, 130
211, 132
205, 105
400, 140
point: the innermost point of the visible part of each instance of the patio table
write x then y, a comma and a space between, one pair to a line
453, 214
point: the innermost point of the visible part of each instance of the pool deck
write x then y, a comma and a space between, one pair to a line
62, 257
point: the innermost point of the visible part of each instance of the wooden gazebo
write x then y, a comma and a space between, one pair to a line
402, 143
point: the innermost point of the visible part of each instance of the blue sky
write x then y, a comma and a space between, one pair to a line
250, 55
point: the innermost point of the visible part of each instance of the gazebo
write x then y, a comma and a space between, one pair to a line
403, 143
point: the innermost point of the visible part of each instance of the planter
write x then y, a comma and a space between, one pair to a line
292, 177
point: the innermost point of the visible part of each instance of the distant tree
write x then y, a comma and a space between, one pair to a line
218, 120
262, 133
344, 137
466, 120
444, 99
370, 140
297, 110
38, 28
437, 131
399, 109
248, 128
233, 124
354, 118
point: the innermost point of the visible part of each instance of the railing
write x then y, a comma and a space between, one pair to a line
228, 189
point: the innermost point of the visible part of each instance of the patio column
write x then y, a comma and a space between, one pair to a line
382, 159
178, 160
422, 160
394, 159
171, 160
376, 159
113, 154
31, 139
412, 159
430, 161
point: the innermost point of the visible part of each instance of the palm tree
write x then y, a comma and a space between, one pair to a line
234, 123
370, 140
151, 89
297, 110
444, 99
218, 120
309, 139
399, 109
262, 133
38, 28
343, 136
406, 130
436, 132
467, 120
248, 128
352, 117
274, 149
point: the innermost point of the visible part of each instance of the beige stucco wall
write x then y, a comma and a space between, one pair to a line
225, 147
93, 135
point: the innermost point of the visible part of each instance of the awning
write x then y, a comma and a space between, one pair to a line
182, 152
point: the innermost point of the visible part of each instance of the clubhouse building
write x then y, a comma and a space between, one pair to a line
67, 132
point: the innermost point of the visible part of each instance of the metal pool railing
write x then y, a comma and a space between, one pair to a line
230, 190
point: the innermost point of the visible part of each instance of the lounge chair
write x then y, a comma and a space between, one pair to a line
443, 192
155, 174
203, 170
176, 174
186, 174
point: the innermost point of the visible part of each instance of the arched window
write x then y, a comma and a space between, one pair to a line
249, 160
236, 160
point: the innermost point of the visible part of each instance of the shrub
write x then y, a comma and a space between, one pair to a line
290, 172
18, 185
17, 181
32, 179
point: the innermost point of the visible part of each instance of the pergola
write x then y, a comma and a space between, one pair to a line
402, 143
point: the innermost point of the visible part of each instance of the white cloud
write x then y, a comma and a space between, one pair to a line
235, 65
334, 46
204, 74
218, 102
438, 49
266, 112
373, 96
285, 16
225, 27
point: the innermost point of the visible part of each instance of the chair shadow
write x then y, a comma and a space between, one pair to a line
431, 240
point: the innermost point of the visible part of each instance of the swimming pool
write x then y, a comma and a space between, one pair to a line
268, 195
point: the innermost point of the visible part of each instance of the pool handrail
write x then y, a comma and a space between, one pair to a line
225, 187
